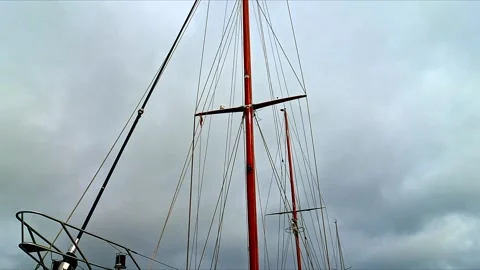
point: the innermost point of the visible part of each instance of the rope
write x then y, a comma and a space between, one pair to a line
296, 46
187, 265
237, 38
216, 56
232, 157
175, 196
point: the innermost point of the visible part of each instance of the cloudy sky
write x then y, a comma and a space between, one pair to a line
394, 111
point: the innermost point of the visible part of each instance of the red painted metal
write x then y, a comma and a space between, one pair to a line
292, 190
249, 145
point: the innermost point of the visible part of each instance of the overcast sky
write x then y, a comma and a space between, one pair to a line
394, 110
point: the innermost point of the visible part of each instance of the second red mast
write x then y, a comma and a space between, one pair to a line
292, 190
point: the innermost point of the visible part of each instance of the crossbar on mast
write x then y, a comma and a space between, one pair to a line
254, 106
298, 211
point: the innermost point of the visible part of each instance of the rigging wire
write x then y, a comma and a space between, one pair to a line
153, 260
175, 196
281, 187
266, 7
216, 75
274, 110
223, 200
302, 119
305, 227
268, 73
281, 47
201, 172
297, 161
221, 218
262, 213
98, 170
224, 34
232, 159
296, 45
304, 133
321, 198
145, 97
282, 190
196, 102
229, 127
279, 132
257, 120
187, 265
187, 163
310, 126
139, 114
295, 135
180, 182
311, 133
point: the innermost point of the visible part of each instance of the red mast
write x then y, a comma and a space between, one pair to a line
250, 152
248, 112
292, 189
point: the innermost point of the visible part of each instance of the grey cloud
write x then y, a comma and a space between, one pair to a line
391, 89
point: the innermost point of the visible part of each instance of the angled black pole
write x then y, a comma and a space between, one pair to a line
139, 114
68, 263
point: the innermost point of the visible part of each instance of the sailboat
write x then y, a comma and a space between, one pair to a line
311, 246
